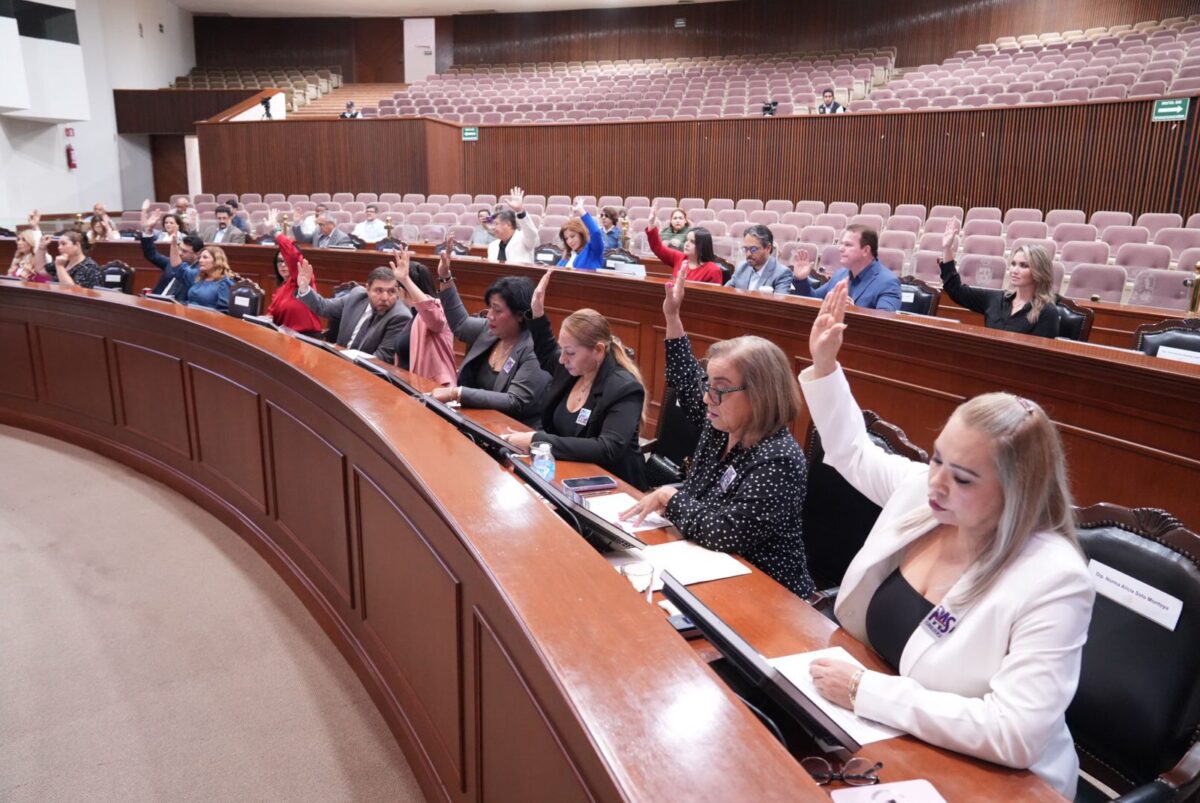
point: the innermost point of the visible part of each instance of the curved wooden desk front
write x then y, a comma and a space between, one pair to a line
510, 661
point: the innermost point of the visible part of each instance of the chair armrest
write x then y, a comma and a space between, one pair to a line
823, 599
1157, 791
647, 444
1185, 775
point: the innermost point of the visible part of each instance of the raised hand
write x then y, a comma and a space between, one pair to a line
304, 276
802, 264
673, 300
825, 337
400, 267
538, 305
444, 259
516, 199
35, 218
950, 240
578, 209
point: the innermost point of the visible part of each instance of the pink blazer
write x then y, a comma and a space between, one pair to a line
431, 344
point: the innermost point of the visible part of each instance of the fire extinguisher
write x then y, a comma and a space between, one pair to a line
71, 157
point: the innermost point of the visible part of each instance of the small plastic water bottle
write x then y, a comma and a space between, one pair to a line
543, 461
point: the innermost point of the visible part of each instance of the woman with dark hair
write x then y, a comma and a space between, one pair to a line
583, 241
1028, 307
500, 370
676, 229
594, 404
285, 308
72, 266
697, 255
610, 220
426, 345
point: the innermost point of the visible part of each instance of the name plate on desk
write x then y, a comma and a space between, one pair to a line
1178, 354
908, 296
1141, 598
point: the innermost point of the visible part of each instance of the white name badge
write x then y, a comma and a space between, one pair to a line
584, 415
940, 622
727, 478
1141, 598
907, 296
112, 278
508, 365
241, 301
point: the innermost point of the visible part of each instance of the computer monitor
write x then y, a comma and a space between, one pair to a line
481, 435
828, 735
321, 344
591, 524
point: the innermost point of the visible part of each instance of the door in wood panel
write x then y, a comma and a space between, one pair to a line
16, 360
169, 161
379, 50
229, 433
310, 501
75, 365
153, 401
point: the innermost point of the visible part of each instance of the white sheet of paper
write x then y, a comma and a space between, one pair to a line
355, 354
917, 791
610, 507
1142, 598
688, 562
1178, 354
795, 669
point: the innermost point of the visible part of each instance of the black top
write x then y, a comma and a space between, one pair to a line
895, 611
996, 306
564, 419
610, 436
485, 377
747, 502
402, 342
85, 274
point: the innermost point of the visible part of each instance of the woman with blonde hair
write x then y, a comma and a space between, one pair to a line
24, 263
594, 402
1029, 306
209, 280
745, 489
971, 584
583, 241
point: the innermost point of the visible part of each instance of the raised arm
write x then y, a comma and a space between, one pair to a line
683, 370
544, 343
972, 298
311, 298
665, 253
465, 327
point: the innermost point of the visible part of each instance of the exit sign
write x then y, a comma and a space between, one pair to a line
1170, 109
470, 134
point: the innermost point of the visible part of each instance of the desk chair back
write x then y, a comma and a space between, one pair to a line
245, 298
670, 453
1074, 321
918, 297
1136, 715
1180, 333
117, 275
547, 254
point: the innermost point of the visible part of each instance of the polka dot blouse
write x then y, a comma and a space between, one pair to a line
747, 502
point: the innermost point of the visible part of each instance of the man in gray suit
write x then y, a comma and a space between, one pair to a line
761, 271
369, 318
327, 235
224, 233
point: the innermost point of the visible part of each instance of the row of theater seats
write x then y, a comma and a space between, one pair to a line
303, 84
719, 86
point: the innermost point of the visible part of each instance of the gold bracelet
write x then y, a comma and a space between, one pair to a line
855, 679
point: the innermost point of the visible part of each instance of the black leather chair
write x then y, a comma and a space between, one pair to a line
618, 258
1136, 715
919, 298
1180, 333
670, 452
1074, 321
727, 268
460, 249
390, 244
837, 518
245, 298
547, 254
117, 275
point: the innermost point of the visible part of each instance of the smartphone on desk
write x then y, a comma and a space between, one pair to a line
583, 485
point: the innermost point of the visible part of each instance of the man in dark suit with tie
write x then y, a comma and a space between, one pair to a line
369, 318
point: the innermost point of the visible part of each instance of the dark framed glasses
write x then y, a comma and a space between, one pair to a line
718, 394
855, 772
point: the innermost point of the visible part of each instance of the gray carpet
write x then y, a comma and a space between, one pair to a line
148, 654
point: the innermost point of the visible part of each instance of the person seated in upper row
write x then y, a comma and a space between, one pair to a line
1028, 307
304, 228
971, 585
238, 216
516, 234
371, 230
350, 113
224, 232
828, 105
696, 257
482, 233
674, 232
500, 370
102, 230
368, 317
596, 397
72, 266
328, 235
426, 345
583, 241
745, 489
871, 284
185, 251
610, 221
761, 271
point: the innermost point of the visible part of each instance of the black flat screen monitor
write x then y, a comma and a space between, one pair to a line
262, 320
593, 525
160, 297
828, 735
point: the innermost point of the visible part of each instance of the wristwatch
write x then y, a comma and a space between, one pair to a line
445, 279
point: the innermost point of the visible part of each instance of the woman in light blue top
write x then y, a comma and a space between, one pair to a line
209, 280
583, 241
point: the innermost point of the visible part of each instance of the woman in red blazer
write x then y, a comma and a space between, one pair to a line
697, 254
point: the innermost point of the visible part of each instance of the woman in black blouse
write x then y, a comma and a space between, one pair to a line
746, 485
1028, 308
594, 402
72, 265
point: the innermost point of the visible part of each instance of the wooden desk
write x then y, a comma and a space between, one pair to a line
1127, 421
777, 623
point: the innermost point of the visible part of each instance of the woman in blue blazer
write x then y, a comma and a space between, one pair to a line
583, 241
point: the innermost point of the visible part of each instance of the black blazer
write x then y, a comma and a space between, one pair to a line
610, 436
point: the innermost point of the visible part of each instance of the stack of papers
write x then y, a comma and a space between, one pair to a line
687, 562
610, 507
795, 669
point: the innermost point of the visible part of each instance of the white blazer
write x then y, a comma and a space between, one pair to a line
997, 686
520, 246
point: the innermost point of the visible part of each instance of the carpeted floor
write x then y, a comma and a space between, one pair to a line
148, 654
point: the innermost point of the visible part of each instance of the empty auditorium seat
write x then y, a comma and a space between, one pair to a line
1102, 220
979, 270
991, 228
1057, 216
983, 213
1096, 282
1161, 288
1177, 239
1117, 236
1075, 253
1138, 257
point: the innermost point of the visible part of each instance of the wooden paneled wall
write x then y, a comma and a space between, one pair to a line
275, 42
1089, 157
171, 111
923, 30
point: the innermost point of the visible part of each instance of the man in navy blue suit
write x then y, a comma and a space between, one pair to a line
871, 284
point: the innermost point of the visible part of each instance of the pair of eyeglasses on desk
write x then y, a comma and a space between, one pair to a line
855, 772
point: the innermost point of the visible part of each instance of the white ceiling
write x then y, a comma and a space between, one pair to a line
401, 8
